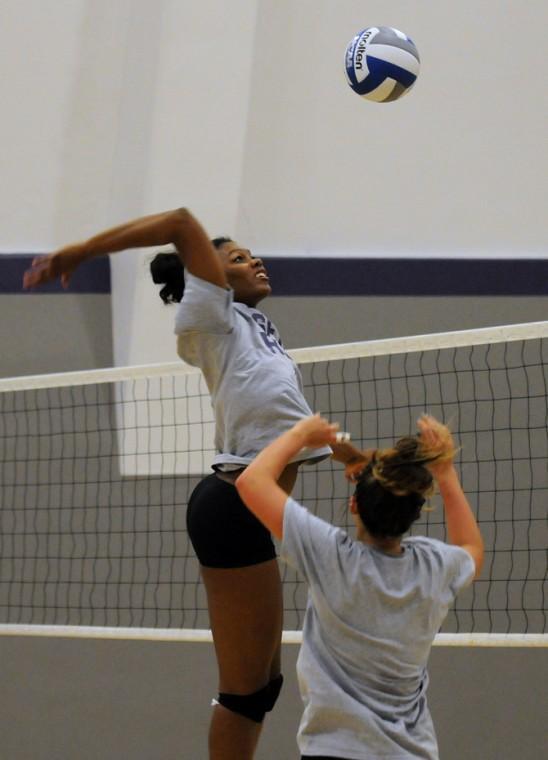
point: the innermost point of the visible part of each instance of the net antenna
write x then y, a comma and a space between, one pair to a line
97, 467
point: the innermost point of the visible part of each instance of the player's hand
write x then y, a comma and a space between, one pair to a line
317, 431
437, 437
354, 468
60, 264
355, 460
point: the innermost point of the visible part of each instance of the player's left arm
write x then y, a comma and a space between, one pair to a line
258, 484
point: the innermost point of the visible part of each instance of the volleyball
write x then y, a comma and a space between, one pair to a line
381, 63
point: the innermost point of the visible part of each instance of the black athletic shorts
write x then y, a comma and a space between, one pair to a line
224, 533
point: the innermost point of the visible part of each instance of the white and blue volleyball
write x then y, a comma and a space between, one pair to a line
382, 63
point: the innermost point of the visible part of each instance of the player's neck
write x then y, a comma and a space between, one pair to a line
386, 545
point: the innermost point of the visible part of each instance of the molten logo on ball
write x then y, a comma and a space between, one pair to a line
362, 46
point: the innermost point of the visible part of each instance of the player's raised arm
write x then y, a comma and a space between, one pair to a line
462, 527
258, 484
178, 227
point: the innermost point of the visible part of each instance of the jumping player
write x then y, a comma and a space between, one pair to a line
256, 393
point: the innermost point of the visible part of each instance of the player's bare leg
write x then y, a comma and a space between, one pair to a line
246, 610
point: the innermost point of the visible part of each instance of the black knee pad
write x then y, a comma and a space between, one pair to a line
253, 706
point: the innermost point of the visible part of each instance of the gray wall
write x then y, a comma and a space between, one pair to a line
54, 333
63, 333
110, 700
312, 321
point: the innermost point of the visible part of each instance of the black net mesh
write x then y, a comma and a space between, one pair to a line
95, 479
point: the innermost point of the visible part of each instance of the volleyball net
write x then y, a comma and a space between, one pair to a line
96, 470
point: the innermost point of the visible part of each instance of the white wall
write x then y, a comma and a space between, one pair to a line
115, 108
38, 59
198, 113
461, 163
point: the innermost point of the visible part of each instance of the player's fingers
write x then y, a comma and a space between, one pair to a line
326, 425
353, 471
31, 278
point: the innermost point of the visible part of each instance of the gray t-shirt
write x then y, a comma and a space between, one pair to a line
369, 625
256, 388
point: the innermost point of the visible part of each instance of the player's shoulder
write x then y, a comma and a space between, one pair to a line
433, 547
302, 517
195, 283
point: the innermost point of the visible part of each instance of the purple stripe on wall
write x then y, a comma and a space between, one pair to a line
408, 277
339, 277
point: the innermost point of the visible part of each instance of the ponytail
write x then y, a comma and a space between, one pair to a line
167, 269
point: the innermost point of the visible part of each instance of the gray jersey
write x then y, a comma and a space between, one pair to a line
256, 388
369, 625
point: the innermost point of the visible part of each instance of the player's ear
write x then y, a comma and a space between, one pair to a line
353, 505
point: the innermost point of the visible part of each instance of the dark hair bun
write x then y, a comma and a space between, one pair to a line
402, 469
167, 269
390, 491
